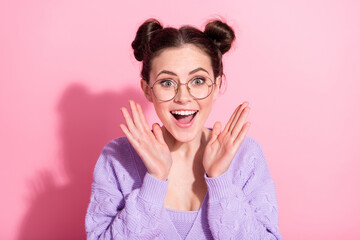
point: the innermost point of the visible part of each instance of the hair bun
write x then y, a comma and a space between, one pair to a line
221, 34
143, 36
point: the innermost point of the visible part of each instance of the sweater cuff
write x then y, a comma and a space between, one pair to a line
153, 190
219, 187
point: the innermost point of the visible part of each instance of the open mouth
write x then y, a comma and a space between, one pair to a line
184, 116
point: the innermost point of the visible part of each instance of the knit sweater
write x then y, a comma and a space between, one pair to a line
128, 203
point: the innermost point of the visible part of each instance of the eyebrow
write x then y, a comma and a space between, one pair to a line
191, 72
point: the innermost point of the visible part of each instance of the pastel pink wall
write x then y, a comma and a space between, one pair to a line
66, 68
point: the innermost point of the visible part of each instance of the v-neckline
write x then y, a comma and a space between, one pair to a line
198, 214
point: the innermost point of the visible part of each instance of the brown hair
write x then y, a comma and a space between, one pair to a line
151, 38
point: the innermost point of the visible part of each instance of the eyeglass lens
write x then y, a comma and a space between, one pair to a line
198, 87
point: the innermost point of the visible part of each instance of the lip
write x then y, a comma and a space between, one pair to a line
184, 125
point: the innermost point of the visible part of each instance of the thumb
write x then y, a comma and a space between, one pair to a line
158, 133
215, 132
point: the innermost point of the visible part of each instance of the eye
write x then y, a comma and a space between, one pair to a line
167, 83
198, 81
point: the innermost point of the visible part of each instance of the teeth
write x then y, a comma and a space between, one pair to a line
183, 113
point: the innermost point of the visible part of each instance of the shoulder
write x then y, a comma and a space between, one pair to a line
119, 167
249, 150
248, 160
117, 158
118, 148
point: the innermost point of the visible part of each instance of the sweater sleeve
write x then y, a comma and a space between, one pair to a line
242, 201
111, 215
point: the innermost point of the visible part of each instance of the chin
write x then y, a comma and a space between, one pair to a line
184, 135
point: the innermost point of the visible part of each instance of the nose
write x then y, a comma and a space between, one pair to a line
183, 94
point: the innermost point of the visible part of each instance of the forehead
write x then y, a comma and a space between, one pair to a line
180, 60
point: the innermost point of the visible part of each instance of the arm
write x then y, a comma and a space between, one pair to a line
243, 205
137, 215
110, 215
240, 210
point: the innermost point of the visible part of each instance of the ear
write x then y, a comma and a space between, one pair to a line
146, 89
217, 87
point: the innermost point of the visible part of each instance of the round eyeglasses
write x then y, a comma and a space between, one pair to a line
199, 87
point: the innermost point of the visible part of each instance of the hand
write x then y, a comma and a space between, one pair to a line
223, 146
150, 146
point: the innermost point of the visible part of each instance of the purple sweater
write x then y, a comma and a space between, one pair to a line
128, 203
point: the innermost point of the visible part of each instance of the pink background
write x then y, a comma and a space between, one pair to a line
66, 68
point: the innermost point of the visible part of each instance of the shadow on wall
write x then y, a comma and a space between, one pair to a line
87, 122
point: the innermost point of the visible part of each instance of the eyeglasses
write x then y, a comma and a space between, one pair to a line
199, 87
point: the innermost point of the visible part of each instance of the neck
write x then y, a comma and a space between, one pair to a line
187, 149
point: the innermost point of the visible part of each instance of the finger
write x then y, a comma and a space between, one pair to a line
142, 117
125, 130
135, 115
240, 122
158, 133
237, 116
242, 134
128, 119
128, 134
244, 105
227, 126
215, 132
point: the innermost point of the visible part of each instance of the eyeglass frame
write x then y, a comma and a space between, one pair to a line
187, 88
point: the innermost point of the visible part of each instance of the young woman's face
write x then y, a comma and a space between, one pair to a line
183, 116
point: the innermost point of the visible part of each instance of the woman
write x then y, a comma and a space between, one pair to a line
182, 180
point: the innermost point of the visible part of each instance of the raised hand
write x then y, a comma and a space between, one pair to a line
223, 146
150, 146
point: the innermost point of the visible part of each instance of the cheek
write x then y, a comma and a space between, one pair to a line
207, 107
161, 109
